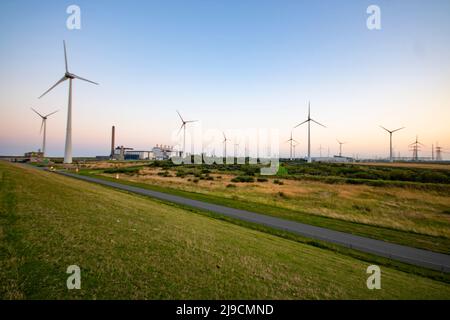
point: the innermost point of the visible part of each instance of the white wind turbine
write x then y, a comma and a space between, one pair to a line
291, 142
44, 127
390, 141
309, 129
340, 147
68, 76
183, 126
225, 140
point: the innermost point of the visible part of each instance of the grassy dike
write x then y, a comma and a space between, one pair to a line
128, 246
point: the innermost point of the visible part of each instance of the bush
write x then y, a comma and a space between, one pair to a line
243, 179
195, 180
262, 180
180, 174
231, 185
129, 170
276, 181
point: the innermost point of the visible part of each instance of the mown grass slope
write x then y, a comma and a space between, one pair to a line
133, 247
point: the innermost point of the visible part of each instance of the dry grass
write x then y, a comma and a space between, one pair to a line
420, 211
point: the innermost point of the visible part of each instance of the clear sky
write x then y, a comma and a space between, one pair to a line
233, 65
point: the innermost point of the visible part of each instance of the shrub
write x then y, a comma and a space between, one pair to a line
262, 180
181, 174
231, 185
164, 174
129, 170
243, 179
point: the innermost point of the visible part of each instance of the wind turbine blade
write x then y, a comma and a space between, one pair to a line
180, 116
224, 136
398, 129
42, 125
180, 129
59, 81
301, 123
51, 113
309, 109
65, 56
37, 113
191, 121
318, 123
75, 76
386, 129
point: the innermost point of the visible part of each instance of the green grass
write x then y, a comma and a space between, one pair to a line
132, 247
246, 199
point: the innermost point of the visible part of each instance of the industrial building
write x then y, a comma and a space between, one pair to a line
163, 152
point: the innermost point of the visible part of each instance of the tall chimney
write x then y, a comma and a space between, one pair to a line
113, 137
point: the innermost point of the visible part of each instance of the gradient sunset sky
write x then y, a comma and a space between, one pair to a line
231, 64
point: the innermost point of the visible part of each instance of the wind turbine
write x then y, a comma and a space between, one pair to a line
294, 148
291, 141
225, 145
70, 77
44, 126
340, 147
183, 126
236, 148
391, 159
309, 129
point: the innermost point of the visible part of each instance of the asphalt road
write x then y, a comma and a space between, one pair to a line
419, 257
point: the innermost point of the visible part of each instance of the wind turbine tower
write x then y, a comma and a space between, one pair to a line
44, 128
438, 153
183, 126
68, 76
291, 142
391, 159
309, 129
340, 147
225, 140
294, 149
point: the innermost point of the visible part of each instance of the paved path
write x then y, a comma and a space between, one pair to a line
419, 257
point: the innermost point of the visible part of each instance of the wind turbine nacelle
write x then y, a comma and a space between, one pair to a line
68, 75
